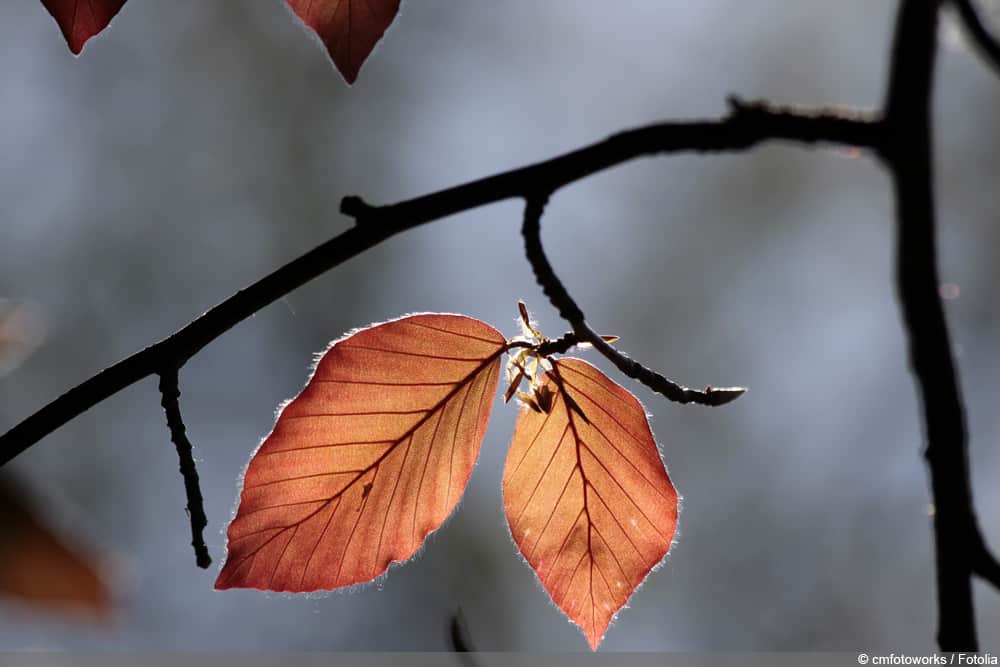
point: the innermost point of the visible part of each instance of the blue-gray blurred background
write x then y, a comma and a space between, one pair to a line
197, 145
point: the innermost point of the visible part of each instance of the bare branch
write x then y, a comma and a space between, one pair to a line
984, 40
744, 127
546, 276
570, 311
170, 394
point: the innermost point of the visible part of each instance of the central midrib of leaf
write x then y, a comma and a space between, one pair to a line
578, 444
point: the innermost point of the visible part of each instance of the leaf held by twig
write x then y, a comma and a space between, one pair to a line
588, 500
372, 456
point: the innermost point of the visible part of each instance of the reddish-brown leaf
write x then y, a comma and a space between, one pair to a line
349, 28
372, 456
80, 20
41, 569
588, 500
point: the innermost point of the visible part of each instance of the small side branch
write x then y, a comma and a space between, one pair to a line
546, 276
571, 312
985, 41
985, 564
170, 393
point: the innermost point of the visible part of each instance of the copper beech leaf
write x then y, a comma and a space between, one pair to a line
348, 28
80, 20
372, 456
587, 498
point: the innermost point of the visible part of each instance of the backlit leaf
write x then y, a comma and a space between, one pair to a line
372, 456
349, 28
80, 20
41, 569
588, 500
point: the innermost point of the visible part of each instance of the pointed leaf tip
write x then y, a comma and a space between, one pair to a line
80, 20
349, 29
371, 457
589, 503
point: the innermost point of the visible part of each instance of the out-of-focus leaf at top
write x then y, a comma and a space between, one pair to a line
349, 28
80, 20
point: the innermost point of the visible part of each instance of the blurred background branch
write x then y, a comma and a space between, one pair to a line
982, 37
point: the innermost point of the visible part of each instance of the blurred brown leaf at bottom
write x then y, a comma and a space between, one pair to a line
42, 569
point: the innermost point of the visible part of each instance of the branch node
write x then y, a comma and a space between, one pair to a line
170, 393
559, 345
357, 208
735, 104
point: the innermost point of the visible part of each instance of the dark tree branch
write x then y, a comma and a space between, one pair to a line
744, 127
985, 563
984, 40
570, 311
546, 276
170, 394
908, 152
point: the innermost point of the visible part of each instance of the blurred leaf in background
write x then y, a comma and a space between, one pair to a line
40, 568
22, 330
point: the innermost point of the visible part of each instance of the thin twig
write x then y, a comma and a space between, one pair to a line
744, 127
559, 345
458, 638
546, 276
571, 312
984, 40
551, 346
985, 564
170, 393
